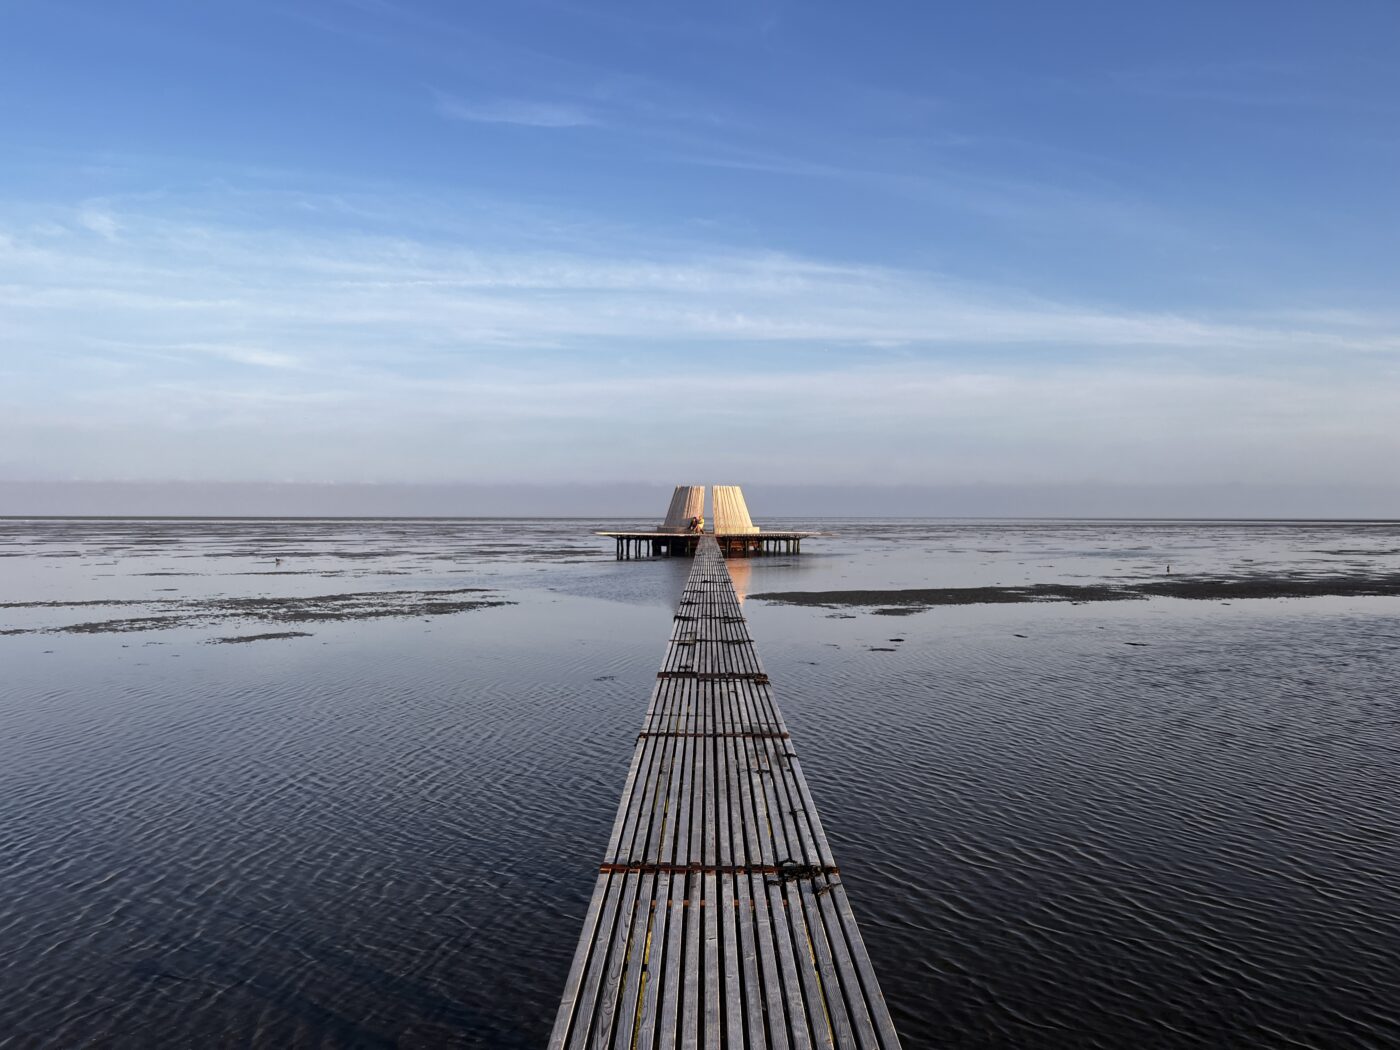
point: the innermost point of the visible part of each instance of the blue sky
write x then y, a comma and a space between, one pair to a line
910, 244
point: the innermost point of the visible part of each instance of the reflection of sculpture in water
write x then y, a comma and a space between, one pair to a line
740, 569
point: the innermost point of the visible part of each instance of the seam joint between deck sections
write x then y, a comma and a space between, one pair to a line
754, 733
757, 677
784, 872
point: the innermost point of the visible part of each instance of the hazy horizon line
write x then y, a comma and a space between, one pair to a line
1070, 501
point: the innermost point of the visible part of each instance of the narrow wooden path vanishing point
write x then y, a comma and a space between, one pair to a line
719, 918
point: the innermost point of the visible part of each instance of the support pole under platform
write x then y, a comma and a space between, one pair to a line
719, 918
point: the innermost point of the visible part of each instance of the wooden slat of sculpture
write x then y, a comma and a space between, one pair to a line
731, 512
688, 501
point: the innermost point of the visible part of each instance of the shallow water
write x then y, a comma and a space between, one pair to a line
1162, 823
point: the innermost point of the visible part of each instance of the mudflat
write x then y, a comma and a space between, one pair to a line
164, 614
1198, 588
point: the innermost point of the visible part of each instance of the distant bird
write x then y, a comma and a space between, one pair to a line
278, 561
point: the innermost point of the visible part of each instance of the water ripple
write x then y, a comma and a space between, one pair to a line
382, 836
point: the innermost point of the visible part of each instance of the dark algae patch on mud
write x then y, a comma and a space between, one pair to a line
366, 605
267, 637
1377, 585
1198, 588
165, 614
134, 623
903, 602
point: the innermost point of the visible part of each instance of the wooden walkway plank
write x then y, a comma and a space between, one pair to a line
719, 918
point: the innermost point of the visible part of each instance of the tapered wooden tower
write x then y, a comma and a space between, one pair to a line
688, 501
732, 513
733, 530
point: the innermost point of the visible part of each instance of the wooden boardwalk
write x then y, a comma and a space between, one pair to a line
719, 918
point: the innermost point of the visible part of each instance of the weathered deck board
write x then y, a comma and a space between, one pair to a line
701, 932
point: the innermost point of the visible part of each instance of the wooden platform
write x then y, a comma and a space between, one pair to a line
719, 918
664, 543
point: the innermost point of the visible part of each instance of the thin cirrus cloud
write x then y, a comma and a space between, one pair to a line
193, 339
525, 112
271, 297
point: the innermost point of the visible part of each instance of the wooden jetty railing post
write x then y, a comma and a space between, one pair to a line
719, 918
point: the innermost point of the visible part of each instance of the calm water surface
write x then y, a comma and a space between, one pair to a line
1153, 824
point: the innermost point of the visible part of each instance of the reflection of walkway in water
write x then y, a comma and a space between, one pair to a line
740, 575
719, 917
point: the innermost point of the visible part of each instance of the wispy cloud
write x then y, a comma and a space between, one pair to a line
262, 295
514, 111
252, 356
191, 339
100, 222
